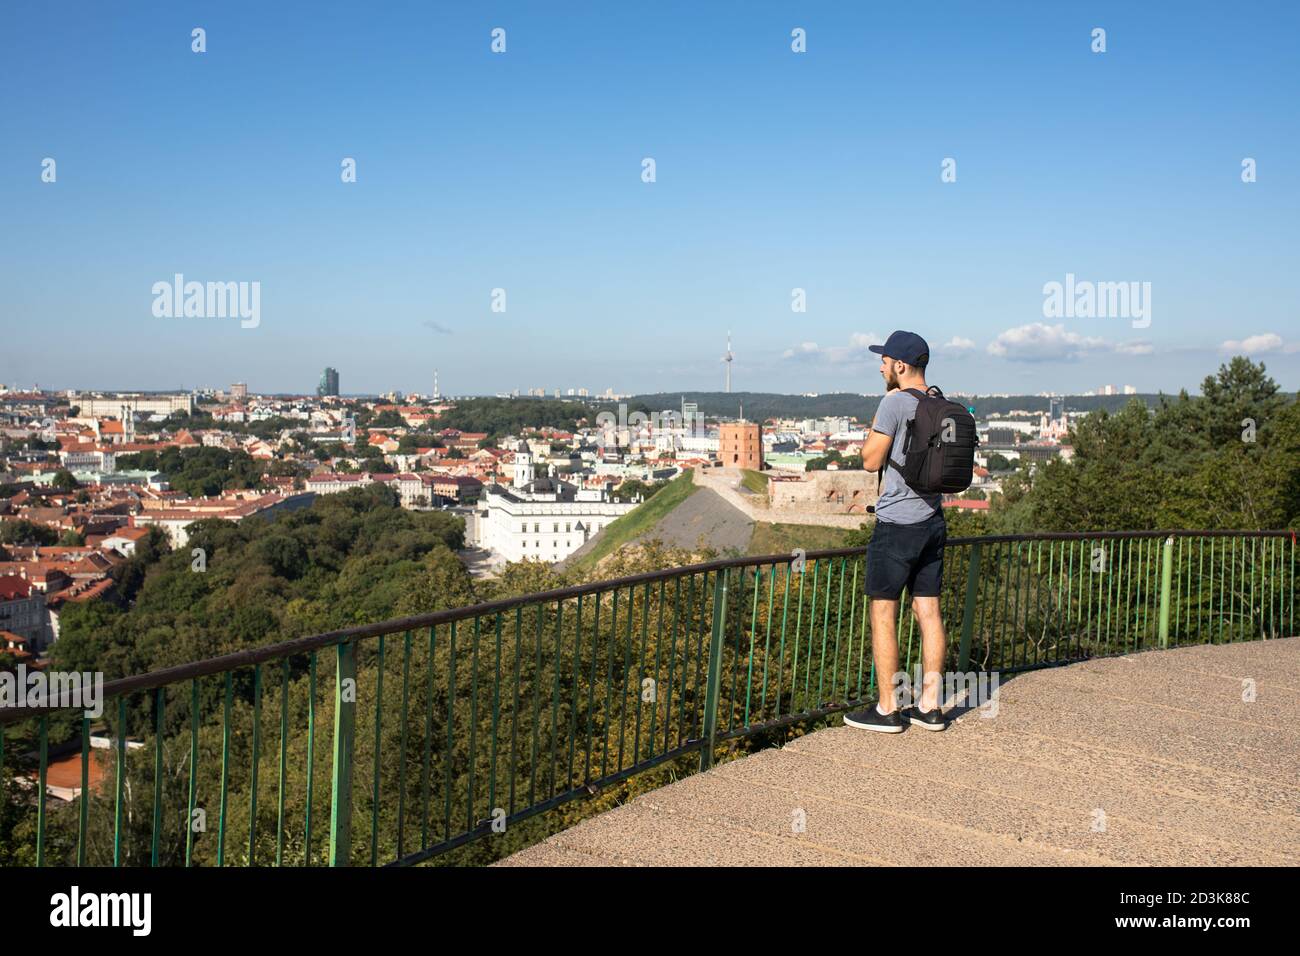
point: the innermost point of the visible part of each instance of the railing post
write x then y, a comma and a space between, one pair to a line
345, 705
44, 725
968, 614
1166, 575
715, 667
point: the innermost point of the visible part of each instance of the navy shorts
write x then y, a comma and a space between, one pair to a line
906, 556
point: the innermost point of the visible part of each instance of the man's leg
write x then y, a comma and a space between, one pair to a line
884, 650
934, 646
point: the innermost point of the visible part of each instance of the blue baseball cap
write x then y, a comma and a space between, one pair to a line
904, 346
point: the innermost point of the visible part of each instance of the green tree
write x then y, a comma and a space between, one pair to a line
634, 487
387, 419
27, 533
1226, 459
64, 480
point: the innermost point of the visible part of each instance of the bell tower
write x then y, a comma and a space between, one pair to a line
523, 468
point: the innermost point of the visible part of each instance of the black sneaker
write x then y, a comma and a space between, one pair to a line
872, 719
928, 719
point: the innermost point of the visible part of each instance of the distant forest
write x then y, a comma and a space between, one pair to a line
759, 406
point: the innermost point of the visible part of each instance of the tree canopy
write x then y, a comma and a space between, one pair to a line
1229, 458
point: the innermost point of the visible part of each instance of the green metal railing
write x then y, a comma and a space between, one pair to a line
453, 726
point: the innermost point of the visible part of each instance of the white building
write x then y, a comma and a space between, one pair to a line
110, 405
700, 443
545, 519
92, 459
413, 490
331, 483
1023, 426
175, 520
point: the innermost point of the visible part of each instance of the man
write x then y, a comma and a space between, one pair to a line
906, 549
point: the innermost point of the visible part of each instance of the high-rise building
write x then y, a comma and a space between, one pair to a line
690, 414
329, 382
239, 391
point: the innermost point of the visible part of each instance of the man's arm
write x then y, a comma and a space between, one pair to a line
876, 450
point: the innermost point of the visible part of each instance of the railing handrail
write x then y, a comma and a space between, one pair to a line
1140, 583
152, 680
1120, 535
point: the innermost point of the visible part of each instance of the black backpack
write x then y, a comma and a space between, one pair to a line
939, 447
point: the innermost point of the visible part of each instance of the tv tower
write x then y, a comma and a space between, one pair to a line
436, 394
727, 357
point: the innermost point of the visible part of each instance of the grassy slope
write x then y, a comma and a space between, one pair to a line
638, 521
755, 481
772, 538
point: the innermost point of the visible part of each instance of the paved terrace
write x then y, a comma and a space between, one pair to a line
1149, 759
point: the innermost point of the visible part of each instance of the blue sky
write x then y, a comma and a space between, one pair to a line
522, 171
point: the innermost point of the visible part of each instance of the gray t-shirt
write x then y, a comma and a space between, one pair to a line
898, 503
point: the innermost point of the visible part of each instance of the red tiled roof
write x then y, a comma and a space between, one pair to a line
130, 448
462, 481
89, 590
13, 587
65, 772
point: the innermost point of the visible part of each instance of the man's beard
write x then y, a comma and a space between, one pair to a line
891, 380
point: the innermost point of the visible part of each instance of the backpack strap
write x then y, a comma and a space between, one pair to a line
889, 459
889, 455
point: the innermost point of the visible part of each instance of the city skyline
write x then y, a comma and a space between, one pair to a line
239, 391
863, 181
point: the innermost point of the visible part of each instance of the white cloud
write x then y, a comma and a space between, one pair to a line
855, 352
1134, 348
958, 344
801, 350
1254, 344
1039, 342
